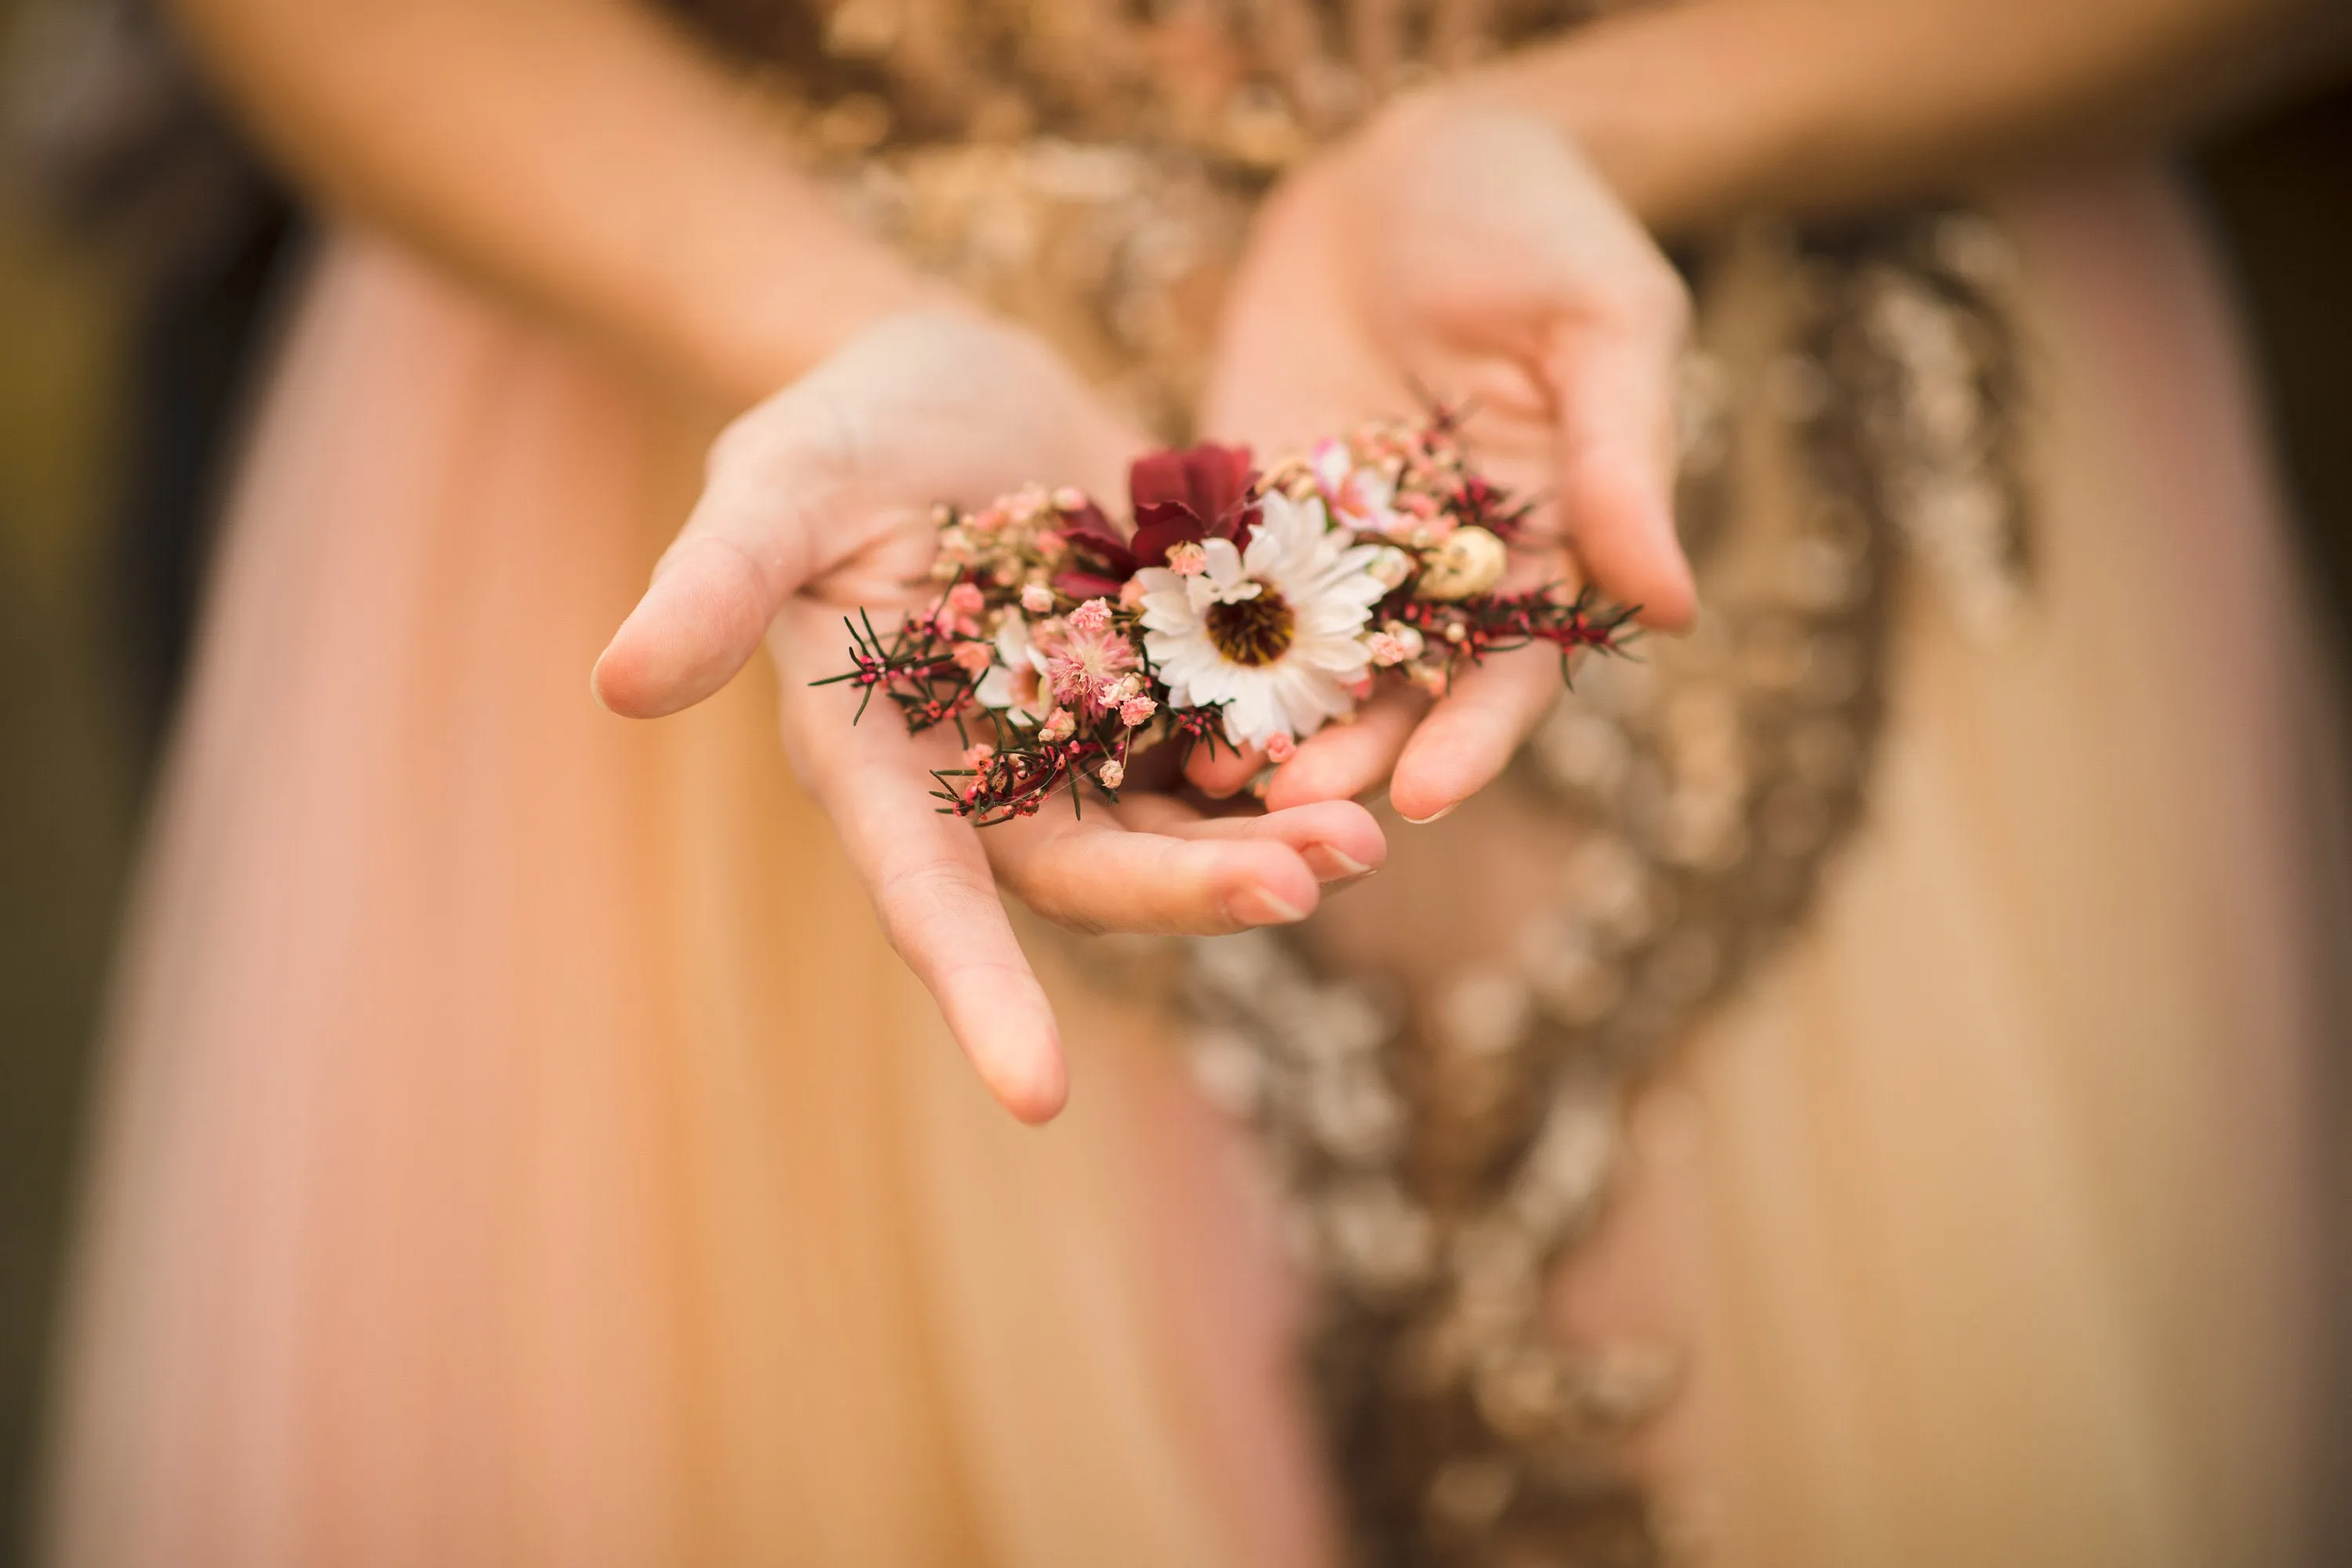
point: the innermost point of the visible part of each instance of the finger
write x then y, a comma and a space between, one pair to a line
1469, 736
1338, 839
1220, 770
742, 552
1615, 382
1093, 874
1339, 761
930, 880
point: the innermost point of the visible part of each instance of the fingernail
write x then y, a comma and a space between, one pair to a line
1437, 815
1343, 868
1259, 907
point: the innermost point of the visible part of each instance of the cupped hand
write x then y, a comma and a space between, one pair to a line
819, 501
1469, 254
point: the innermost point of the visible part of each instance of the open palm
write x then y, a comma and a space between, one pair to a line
1470, 254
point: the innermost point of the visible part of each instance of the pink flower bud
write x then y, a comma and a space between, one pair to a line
1111, 775
1280, 750
1136, 710
1092, 616
977, 755
1385, 650
965, 599
1037, 599
972, 657
1187, 559
1059, 726
1131, 594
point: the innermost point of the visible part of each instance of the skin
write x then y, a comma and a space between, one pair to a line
578, 158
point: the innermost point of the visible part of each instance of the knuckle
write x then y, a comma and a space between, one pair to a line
921, 899
1057, 897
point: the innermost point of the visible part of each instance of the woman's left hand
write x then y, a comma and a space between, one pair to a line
1471, 254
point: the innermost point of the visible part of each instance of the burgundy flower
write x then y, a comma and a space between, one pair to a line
1100, 561
1201, 493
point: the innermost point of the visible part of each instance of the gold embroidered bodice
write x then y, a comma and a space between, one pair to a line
1089, 166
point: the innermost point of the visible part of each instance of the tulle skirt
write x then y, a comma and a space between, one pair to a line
520, 1146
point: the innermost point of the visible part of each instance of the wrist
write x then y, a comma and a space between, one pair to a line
1656, 103
774, 331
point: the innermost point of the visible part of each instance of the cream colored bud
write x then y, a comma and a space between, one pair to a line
1470, 562
1391, 567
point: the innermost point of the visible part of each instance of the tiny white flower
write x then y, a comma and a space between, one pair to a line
1273, 635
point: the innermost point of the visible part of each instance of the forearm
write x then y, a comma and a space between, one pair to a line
1701, 111
573, 155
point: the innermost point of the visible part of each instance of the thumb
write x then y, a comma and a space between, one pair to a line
748, 547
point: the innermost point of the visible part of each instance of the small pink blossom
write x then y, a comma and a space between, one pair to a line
966, 599
977, 755
1131, 594
1111, 775
1070, 498
1092, 616
972, 657
1037, 599
1087, 660
1280, 749
1059, 726
1187, 559
1136, 710
1394, 643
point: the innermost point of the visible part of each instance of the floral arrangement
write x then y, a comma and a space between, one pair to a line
1245, 609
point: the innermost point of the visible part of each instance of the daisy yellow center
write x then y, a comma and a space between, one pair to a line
1252, 631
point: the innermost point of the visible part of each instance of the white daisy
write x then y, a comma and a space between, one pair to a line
1272, 635
1016, 683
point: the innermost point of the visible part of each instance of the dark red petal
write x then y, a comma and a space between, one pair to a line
1079, 583
1158, 480
1096, 543
1170, 526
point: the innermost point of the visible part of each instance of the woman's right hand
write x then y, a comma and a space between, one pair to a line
819, 501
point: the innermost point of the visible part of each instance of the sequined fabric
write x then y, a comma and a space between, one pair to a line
1856, 399
1090, 168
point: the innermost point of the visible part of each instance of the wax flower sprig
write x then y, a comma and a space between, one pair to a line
1244, 609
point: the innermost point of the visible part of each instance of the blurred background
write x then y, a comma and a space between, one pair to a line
141, 261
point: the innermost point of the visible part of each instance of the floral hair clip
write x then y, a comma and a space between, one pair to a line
1245, 609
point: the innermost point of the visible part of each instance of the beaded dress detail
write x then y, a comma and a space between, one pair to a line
1090, 168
